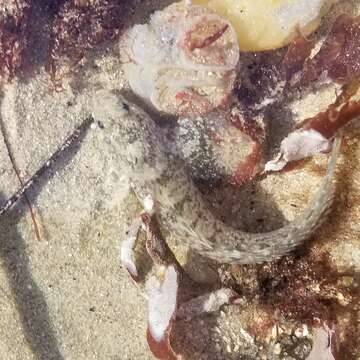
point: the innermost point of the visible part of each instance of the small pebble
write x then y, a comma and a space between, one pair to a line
299, 333
280, 330
277, 349
305, 330
274, 332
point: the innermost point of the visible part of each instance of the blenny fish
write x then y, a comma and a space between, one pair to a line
181, 208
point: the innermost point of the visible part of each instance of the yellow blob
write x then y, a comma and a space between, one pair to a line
269, 24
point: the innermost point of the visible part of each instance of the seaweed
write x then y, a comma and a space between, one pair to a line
339, 56
14, 15
79, 26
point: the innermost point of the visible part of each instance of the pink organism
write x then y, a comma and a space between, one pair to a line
184, 60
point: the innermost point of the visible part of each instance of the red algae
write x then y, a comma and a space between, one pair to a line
13, 26
339, 56
79, 26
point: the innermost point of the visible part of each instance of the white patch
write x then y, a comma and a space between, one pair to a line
300, 14
276, 164
162, 302
207, 303
322, 344
273, 96
160, 69
298, 145
149, 204
127, 247
303, 143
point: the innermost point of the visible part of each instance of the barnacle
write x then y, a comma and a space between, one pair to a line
183, 62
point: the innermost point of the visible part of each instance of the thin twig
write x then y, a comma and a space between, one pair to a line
17, 171
29, 183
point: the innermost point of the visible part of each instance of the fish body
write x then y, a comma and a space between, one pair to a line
156, 173
182, 210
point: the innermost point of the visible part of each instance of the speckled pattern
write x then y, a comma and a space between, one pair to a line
67, 297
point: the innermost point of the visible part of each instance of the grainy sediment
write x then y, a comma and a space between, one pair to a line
66, 297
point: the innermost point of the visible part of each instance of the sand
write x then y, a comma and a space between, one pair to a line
66, 296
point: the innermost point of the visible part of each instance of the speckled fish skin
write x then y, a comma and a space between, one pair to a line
182, 210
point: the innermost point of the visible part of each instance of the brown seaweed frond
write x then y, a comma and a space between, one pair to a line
297, 53
337, 115
339, 56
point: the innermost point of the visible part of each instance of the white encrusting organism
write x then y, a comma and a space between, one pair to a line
162, 302
298, 145
183, 62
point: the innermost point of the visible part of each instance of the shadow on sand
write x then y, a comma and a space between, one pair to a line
29, 299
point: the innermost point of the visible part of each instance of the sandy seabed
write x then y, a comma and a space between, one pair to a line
66, 296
